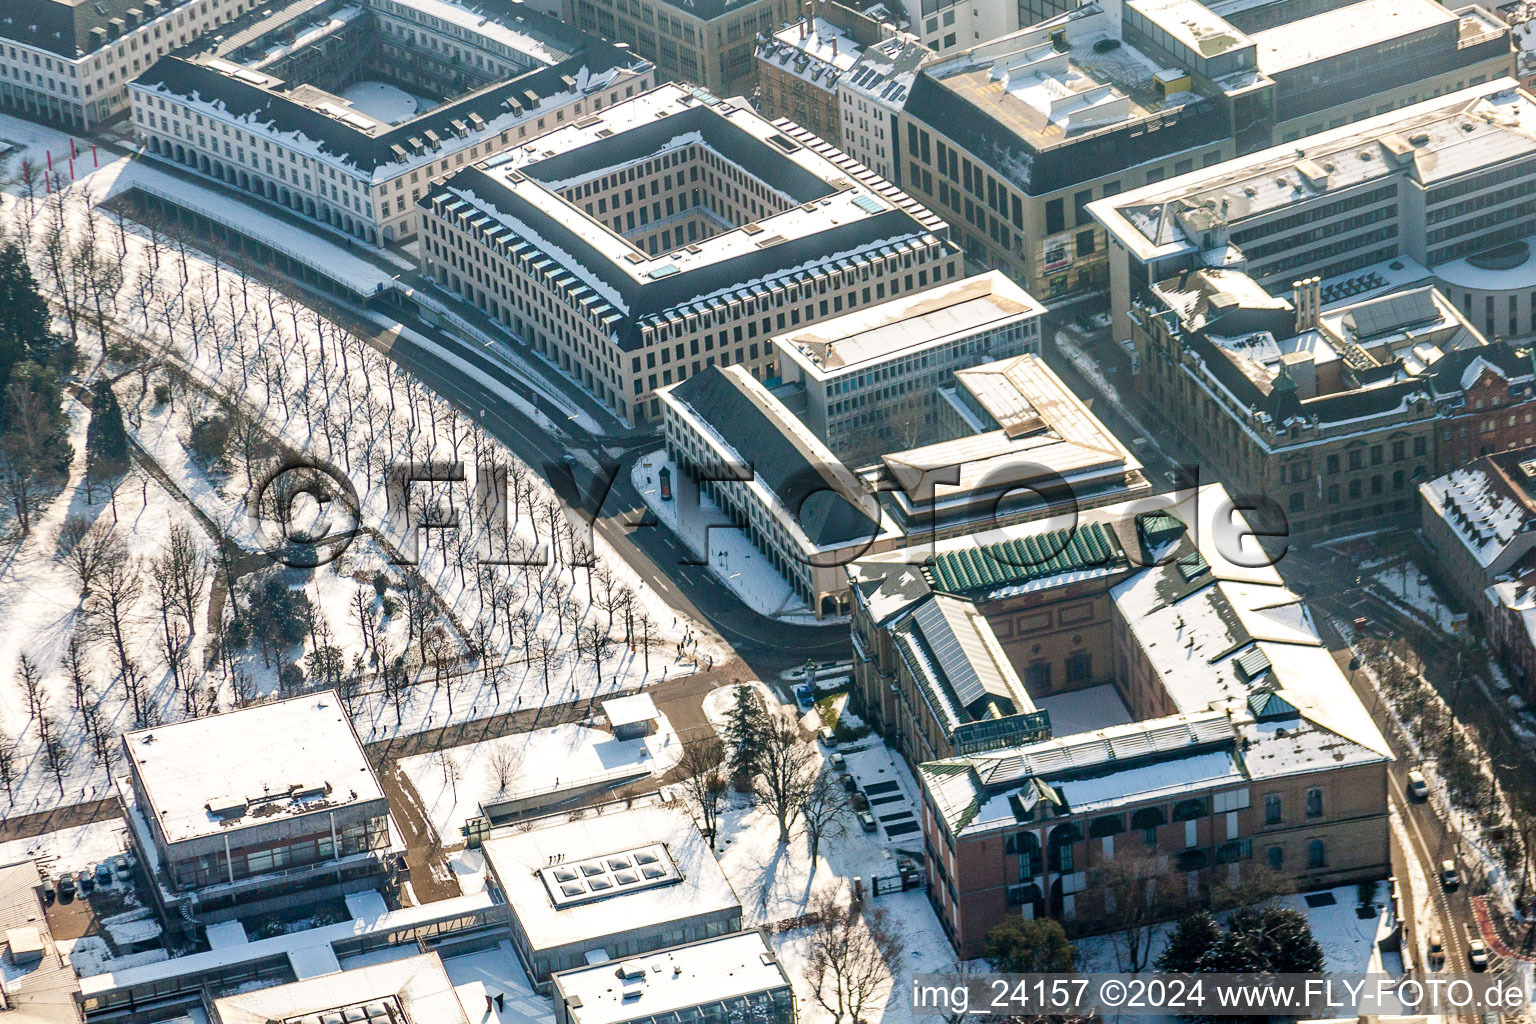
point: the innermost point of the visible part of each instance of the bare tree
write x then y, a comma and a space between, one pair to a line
703, 769
32, 684
7, 761
188, 567
113, 603
824, 814
786, 773
542, 654
506, 766
87, 548
56, 756
849, 956
1137, 890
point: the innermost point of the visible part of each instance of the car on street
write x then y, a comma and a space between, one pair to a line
1436, 952
1477, 950
805, 696
1449, 876
1418, 788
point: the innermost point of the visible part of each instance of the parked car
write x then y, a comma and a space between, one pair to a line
122, 867
860, 801
827, 737
838, 762
66, 884
1449, 876
866, 821
86, 882
850, 783
1436, 951
1418, 788
805, 696
103, 874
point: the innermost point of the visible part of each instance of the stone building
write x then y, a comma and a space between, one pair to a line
262, 111
673, 232
1175, 722
705, 42
1334, 416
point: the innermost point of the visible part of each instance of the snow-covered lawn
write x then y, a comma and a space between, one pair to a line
1410, 587
453, 782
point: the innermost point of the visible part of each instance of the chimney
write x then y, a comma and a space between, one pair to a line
834, 46
804, 24
1307, 298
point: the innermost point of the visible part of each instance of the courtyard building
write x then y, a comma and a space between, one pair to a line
348, 113
1173, 722
256, 810
715, 981
608, 888
669, 233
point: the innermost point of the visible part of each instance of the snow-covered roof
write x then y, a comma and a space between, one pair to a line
1488, 504
637, 707
1341, 30
412, 990
36, 985
517, 862
211, 775
866, 338
671, 980
1441, 138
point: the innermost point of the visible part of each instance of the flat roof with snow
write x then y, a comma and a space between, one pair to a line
1354, 27
631, 710
518, 863
670, 980
868, 337
413, 990
207, 776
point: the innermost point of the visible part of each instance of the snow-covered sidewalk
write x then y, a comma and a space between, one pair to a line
733, 559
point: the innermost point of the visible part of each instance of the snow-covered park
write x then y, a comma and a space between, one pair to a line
226, 385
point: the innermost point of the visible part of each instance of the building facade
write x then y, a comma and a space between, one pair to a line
504, 75
1011, 140
70, 61
1404, 193
706, 42
1187, 728
670, 233
255, 810
870, 381
793, 499
1334, 417
1479, 523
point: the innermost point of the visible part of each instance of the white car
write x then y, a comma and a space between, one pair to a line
1418, 788
1477, 953
1449, 876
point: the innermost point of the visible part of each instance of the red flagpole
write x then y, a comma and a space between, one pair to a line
93, 156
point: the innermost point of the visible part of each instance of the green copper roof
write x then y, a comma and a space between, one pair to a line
1024, 559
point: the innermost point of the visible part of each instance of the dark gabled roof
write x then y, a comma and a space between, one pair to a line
338, 139
739, 147
62, 27
826, 506
1514, 364
652, 297
989, 566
